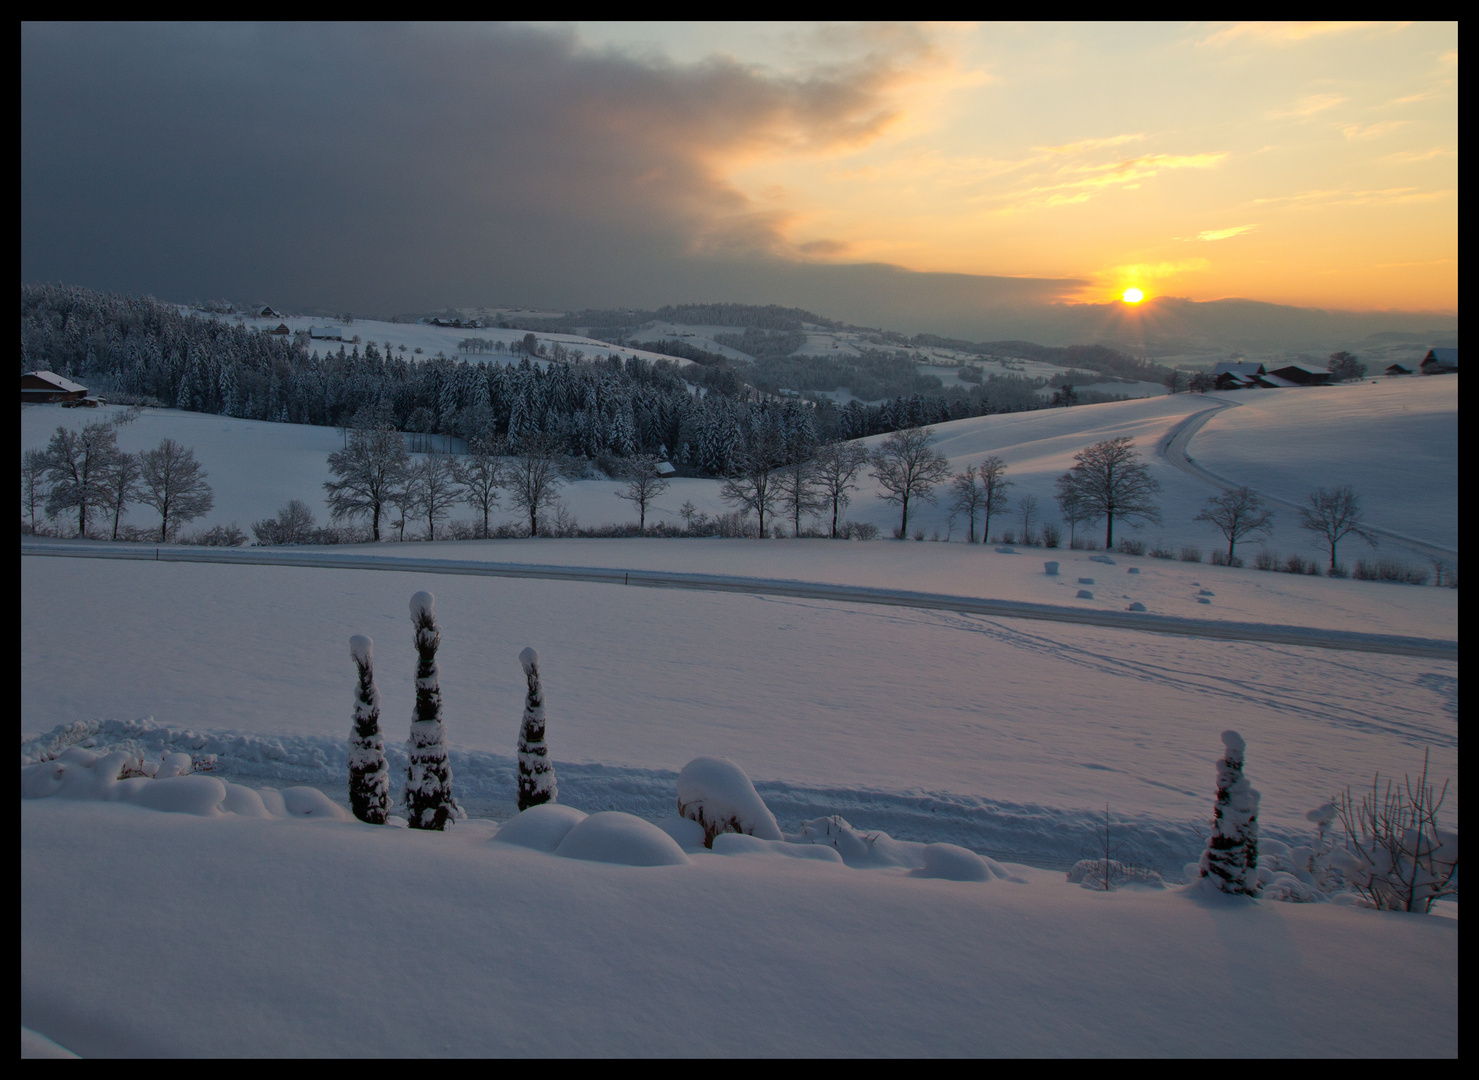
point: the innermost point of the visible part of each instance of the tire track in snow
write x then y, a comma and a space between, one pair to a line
1313, 637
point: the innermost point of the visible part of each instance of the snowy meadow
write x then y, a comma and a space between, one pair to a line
924, 777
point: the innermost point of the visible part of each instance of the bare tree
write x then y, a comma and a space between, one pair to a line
1075, 511
1110, 480
643, 484
753, 485
837, 467
798, 491
480, 473
1237, 513
433, 483
371, 466
174, 484
1027, 511
78, 464
34, 483
1333, 514
966, 497
994, 484
1399, 858
122, 483
533, 477
908, 468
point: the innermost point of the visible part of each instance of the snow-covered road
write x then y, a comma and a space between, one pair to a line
1351, 641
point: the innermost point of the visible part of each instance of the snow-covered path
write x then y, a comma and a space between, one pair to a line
1352, 641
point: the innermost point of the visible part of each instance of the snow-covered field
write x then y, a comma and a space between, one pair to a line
151, 933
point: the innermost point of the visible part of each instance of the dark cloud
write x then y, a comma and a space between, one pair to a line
392, 168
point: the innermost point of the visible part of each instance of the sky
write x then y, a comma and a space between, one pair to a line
940, 175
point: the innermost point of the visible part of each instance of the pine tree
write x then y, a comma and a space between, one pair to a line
369, 775
1231, 858
536, 774
428, 798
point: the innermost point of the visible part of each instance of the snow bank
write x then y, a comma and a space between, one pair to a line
741, 844
81, 774
540, 828
716, 793
614, 837
954, 863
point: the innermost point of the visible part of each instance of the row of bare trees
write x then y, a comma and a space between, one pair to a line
85, 472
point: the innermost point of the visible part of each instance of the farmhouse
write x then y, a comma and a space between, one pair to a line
1398, 369
1236, 375
47, 386
1440, 362
267, 313
326, 333
281, 330
1295, 375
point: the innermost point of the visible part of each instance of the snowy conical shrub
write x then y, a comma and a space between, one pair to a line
1231, 859
536, 774
369, 775
429, 802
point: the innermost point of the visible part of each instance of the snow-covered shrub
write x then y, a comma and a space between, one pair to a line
1191, 554
1230, 862
536, 774
1302, 873
369, 774
716, 793
1130, 547
428, 798
1395, 855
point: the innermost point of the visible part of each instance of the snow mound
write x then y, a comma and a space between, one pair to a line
860, 849
740, 844
1090, 873
614, 837
529, 658
77, 773
716, 793
540, 828
953, 863
422, 604
688, 835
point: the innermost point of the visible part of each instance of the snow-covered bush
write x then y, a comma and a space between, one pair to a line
1230, 862
716, 793
369, 774
1106, 875
536, 773
1303, 873
428, 799
1395, 855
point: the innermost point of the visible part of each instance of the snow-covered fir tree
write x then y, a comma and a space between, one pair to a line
1231, 859
536, 773
369, 774
428, 799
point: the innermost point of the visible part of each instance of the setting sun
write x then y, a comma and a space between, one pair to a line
1132, 296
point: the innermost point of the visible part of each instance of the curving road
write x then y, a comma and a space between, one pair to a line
1173, 449
1313, 637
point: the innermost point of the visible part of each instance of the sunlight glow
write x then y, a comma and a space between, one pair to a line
1132, 295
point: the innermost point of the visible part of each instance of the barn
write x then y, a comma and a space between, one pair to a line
47, 386
1440, 362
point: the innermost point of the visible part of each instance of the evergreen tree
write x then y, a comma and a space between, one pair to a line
428, 798
536, 774
1231, 858
369, 775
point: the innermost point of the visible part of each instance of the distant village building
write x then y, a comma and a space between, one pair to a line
326, 333
665, 469
1440, 362
44, 387
281, 330
268, 313
1398, 369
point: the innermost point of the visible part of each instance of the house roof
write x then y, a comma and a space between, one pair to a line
1446, 357
1245, 369
56, 380
1276, 380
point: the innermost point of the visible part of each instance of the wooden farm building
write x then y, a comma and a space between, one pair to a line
1440, 362
47, 386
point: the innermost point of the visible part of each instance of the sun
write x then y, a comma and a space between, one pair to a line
1132, 295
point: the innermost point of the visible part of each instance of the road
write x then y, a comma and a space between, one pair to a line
1312, 637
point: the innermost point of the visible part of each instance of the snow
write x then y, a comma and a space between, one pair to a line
716, 793
422, 604
362, 649
931, 772
540, 828
612, 836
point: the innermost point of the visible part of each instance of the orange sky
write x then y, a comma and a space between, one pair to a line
1299, 164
